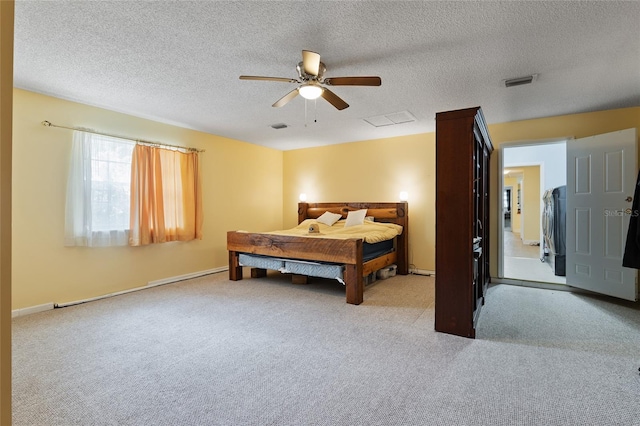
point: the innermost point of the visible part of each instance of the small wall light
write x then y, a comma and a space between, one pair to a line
404, 195
303, 197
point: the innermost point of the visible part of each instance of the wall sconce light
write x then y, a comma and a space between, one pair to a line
404, 195
303, 197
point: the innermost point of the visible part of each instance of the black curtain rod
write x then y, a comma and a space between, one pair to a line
49, 124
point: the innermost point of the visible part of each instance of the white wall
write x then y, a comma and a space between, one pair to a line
552, 155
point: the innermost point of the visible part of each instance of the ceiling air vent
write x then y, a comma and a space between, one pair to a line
278, 126
390, 119
520, 80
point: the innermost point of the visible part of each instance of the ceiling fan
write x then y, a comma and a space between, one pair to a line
311, 79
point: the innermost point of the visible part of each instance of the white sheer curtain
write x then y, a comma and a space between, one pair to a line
97, 206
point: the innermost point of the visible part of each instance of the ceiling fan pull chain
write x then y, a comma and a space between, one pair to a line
305, 113
315, 110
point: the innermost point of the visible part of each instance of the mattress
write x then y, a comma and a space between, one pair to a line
373, 250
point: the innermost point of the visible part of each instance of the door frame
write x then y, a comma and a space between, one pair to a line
515, 144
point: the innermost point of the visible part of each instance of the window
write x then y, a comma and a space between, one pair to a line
123, 193
110, 183
98, 191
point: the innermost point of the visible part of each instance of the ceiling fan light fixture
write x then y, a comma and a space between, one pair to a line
310, 91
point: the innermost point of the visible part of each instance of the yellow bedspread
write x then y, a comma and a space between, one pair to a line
370, 232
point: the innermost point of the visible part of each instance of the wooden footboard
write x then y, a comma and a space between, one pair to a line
346, 252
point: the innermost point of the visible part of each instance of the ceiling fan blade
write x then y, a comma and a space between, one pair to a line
310, 62
286, 98
353, 81
334, 99
253, 77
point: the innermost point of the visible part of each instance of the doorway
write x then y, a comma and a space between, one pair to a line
507, 207
529, 171
599, 188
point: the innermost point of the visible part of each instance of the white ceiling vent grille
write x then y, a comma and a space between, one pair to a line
390, 119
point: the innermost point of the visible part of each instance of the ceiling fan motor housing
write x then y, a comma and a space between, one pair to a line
306, 77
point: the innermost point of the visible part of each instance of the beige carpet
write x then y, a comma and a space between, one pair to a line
265, 352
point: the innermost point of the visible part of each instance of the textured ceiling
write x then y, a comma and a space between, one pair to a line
179, 62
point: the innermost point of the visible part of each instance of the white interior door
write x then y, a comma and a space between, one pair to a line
601, 179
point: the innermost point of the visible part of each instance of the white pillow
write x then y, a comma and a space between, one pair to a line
355, 217
329, 218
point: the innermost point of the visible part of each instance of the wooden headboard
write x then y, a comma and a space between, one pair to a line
382, 212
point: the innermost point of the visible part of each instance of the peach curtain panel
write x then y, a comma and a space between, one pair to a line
166, 196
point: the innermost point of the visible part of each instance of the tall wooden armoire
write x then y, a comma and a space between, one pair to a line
463, 148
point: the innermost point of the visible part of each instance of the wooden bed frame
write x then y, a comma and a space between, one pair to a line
346, 252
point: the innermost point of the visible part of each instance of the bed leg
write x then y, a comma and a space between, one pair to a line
354, 283
258, 273
299, 279
403, 255
235, 270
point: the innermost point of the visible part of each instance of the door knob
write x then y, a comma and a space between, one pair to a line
629, 199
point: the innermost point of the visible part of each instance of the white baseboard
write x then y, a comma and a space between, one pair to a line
155, 283
186, 276
416, 271
536, 284
31, 310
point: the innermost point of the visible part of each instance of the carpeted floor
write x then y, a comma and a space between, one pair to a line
266, 352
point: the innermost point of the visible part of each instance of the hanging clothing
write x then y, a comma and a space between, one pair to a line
631, 258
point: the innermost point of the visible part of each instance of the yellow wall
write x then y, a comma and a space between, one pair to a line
242, 189
531, 197
378, 170
370, 171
